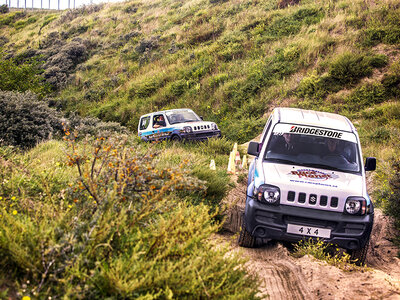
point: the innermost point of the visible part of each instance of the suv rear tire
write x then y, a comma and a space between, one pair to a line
245, 239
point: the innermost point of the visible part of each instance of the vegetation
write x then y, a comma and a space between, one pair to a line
325, 252
21, 76
107, 222
231, 62
24, 121
392, 201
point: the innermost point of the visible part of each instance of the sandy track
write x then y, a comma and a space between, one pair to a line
284, 277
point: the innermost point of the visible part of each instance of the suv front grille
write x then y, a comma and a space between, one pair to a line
202, 127
312, 199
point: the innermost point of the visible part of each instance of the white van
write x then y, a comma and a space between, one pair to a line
308, 181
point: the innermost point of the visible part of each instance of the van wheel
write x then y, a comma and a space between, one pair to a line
176, 138
245, 238
358, 256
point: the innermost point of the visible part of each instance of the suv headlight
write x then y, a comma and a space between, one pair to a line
355, 206
214, 126
187, 129
268, 194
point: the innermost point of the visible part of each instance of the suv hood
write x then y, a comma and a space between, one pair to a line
314, 181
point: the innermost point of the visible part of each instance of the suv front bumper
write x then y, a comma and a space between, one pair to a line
201, 135
270, 222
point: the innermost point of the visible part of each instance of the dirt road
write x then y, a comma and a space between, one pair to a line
284, 277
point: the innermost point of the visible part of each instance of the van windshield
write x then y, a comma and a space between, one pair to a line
314, 147
182, 116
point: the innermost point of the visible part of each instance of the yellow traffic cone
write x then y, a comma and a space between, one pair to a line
212, 165
244, 162
237, 159
231, 164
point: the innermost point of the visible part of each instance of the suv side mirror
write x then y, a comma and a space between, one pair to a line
370, 164
201, 117
253, 149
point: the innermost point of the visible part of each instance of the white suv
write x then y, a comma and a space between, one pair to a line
308, 181
176, 125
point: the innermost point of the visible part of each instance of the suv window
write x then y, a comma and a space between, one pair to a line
144, 123
159, 121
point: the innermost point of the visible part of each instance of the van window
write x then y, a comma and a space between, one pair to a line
144, 123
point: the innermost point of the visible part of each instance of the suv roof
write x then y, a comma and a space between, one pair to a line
165, 111
312, 118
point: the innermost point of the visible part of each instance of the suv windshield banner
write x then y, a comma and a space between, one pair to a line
315, 131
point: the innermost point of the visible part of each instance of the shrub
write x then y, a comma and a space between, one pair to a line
345, 71
62, 58
4, 9
22, 76
349, 68
119, 233
147, 87
286, 25
148, 44
22, 23
217, 80
313, 86
382, 27
366, 95
10, 18
92, 126
380, 134
391, 83
392, 205
216, 186
214, 147
325, 252
24, 121
177, 88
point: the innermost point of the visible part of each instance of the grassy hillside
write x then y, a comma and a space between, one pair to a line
230, 61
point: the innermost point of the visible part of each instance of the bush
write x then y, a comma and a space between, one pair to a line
325, 252
392, 205
345, 71
10, 18
147, 87
92, 126
22, 76
383, 27
391, 83
286, 25
24, 121
349, 68
4, 9
119, 232
62, 58
366, 95
216, 185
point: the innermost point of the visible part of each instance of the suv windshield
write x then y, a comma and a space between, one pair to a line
313, 147
181, 116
